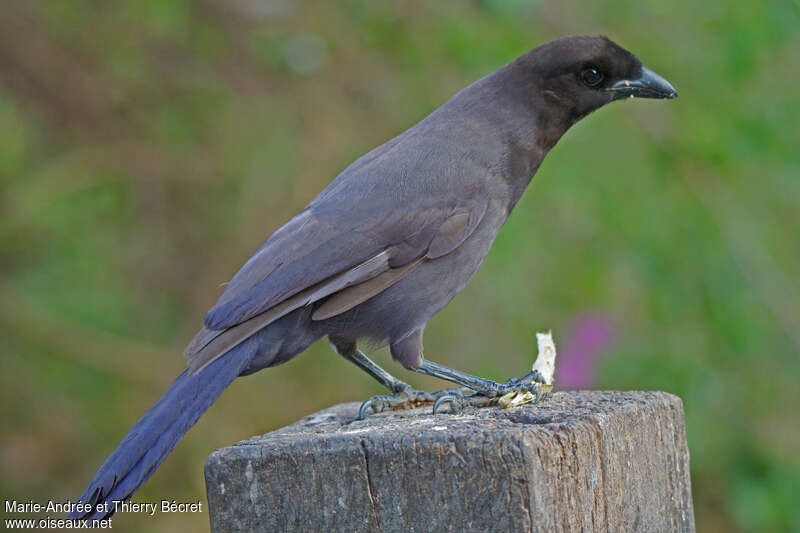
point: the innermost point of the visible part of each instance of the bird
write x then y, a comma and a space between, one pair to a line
385, 246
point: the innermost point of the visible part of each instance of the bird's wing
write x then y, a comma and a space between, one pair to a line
324, 252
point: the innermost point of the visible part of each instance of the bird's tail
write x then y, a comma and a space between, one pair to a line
154, 436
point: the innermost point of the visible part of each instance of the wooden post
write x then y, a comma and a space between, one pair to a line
578, 461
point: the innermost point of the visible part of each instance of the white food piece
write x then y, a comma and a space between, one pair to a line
546, 359
546, 365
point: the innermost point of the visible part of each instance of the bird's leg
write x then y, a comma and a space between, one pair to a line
401, 392
483, 386
373, 369
486, 390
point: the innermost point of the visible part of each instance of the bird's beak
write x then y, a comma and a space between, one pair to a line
647, 85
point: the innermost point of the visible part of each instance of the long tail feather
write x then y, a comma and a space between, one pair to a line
157, 432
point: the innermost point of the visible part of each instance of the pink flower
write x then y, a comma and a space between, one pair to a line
590, 337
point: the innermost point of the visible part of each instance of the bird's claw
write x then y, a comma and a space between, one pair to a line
456, 402
511, 393
528, 393
405, 397
527, 382
376, 403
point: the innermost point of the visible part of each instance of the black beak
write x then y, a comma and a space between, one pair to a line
647, 85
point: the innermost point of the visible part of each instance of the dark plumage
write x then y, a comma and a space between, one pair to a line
389, 242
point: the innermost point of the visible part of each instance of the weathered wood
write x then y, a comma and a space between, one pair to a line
580, 461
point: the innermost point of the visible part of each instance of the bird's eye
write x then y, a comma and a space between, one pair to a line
592, 77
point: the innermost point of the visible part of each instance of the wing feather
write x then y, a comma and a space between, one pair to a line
350, 297
325, 255
208, 345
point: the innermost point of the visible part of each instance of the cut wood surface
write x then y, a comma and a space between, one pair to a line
578, 461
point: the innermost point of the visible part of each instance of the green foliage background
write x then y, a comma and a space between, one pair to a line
147, 148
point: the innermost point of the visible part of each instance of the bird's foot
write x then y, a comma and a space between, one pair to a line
406, 398
514, 392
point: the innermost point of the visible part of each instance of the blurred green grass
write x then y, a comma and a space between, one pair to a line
147, 148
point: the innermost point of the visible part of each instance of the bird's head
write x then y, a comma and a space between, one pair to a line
577, 74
